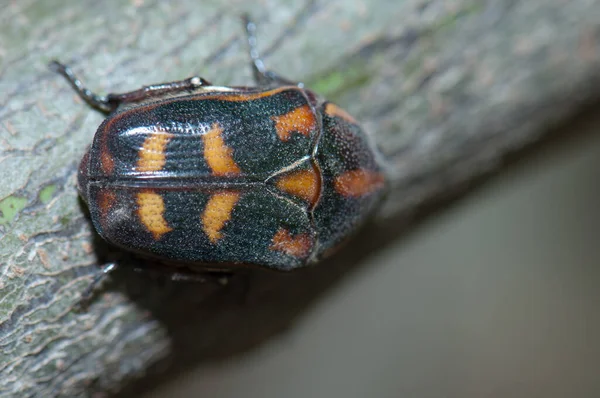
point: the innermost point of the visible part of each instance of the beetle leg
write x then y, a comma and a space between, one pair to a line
110, 102
87, 294
154, 90
183, 274
262, 75
222, 278
97, 101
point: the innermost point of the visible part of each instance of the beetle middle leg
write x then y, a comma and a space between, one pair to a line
108, 103
220, 278
262, 75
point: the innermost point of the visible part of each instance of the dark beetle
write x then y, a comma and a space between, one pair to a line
216, 177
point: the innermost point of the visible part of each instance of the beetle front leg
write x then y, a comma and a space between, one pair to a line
110, 102
262, 75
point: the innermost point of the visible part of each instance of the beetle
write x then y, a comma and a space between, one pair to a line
217, 178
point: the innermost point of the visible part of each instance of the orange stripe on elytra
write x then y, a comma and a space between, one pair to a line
217, 212
359, 182
105, 199
106, 161
217, 154
300, 120
335, 111
151, 156
151, 210
296, 246
242, 96
304, 184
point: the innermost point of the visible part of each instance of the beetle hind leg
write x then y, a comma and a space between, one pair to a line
110, 102
262, 75
97, 101
90, 290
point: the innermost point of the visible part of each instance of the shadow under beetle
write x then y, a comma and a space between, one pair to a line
218, 178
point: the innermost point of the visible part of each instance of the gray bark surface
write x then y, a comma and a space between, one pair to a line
448, 90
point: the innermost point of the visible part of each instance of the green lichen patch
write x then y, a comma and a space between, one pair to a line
334, 82
10, 207
47, 192
328, 83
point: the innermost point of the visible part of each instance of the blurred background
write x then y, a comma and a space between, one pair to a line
496, 297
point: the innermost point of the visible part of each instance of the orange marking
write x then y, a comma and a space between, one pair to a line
106, 199
217, 213
152, 153
295, 246
234, 96
359, 182
241, 96
106, 160
305, 184
151, 210
107, 163
301, 120
335, 111
217, 154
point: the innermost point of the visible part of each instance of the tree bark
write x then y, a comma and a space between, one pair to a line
448, 90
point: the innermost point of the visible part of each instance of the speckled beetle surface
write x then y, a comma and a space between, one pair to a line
219, 177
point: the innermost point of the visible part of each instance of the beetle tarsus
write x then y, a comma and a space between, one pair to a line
111, 102
262, 75
88, 293
99, 102
186, 277
220, 278
106, 269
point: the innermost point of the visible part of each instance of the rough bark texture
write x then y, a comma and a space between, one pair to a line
447, 88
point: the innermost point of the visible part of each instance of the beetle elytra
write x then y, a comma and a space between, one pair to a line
215, 177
